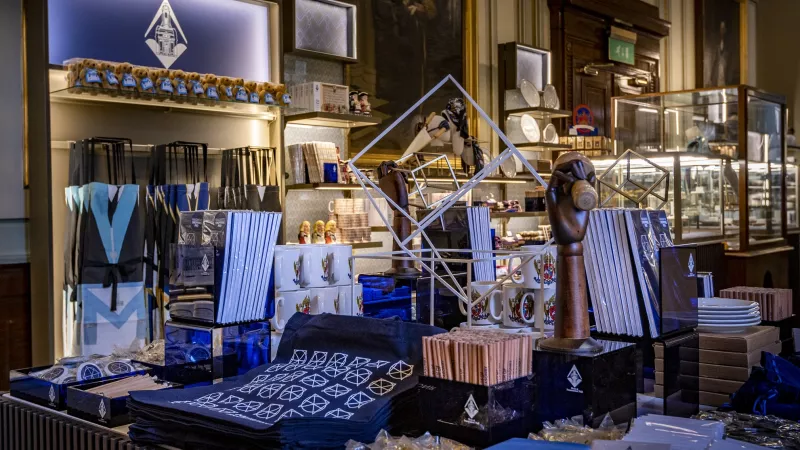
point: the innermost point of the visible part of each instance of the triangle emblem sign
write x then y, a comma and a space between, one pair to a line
165, 36
471, 408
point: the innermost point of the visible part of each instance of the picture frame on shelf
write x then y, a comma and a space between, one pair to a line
337, 40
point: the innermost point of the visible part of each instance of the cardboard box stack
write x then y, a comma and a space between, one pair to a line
722, 363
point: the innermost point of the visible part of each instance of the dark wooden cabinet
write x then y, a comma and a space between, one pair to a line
579, 37
15, 320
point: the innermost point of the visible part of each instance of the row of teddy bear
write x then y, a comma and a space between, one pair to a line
174, 83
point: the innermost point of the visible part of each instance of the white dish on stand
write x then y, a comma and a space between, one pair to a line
530, 128
726, 312
530, 93
744, 316
725, 304
745, 321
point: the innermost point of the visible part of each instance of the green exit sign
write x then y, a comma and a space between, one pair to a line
621, 51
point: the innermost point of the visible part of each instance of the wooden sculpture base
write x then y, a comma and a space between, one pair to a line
572, 333
402, 268
586, 346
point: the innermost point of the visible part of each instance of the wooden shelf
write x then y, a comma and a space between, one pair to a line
331, 120
543, 146
540, 112
100, 96
365, 244
324, 187
508, 215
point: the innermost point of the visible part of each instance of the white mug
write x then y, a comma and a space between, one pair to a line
518, 304
350, 305
315, 270
547, 299
490, 310
341, 273
539, 270
323, 300
287, 303
287, 267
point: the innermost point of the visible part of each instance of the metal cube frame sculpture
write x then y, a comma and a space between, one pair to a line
429, 261
619, 188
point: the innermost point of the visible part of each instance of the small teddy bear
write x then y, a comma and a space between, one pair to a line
225, 88
252, 92
110, 80
163, 83
210, 86
195, 85
283, 96
124, 74
240, 93
74, 75
266, 93
145, 85
178, 78
90, 74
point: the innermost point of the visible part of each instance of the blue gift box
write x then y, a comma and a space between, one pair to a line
99, 409
200, 355
46, 393
386, 296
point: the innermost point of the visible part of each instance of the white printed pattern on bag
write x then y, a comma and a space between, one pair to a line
309, 393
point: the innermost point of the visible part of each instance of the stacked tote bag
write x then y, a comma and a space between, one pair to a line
249, 180
178, 183
335, 378
104, 302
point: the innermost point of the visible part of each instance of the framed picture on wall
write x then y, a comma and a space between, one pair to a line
409, 47
322, 28
718, 42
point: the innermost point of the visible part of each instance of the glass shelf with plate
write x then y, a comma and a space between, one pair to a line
792, 187
741, 130
704, 180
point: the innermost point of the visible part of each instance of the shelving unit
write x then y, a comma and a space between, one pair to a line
366, 244
543, 146
510, 215
60, 93
331, 120
323, 187
540, 112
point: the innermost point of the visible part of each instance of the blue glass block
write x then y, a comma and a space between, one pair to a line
446, 313
200, 355
386, 296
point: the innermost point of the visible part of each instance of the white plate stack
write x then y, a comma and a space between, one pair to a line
726, 315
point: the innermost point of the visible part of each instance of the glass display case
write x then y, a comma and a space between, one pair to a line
701, 187
725, 151
792, 188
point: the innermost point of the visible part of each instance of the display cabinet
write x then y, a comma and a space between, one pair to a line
792, 175
701, 195
725, 150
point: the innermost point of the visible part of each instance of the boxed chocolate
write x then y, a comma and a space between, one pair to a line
99, 409
478, 415
752, 339
709, 384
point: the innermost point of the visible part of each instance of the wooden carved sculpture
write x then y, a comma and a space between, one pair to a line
394, 184
569, 197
